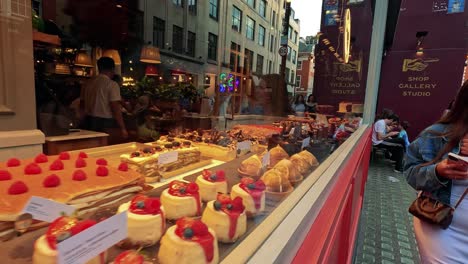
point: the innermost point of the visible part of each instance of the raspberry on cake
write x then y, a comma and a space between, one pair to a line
189, 241
226, 217
181, 199
211, 184
130, 257
252, 193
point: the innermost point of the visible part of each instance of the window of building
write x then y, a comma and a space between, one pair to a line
299, 64
259, 69
294, 54
212, 47
36, 6
298, 81
261, 36
178, 2
214, 9
262, 7
250, 28
177, 39
159, 32
273, 19
248, 61
236, 19
251, 3
289, 53
192, 6
294, 39
292, 77
191, 42
272, 43
270, 67
290, 30
286, 75
235, 57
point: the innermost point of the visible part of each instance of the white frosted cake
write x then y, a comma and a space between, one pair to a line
210, 184
181, 199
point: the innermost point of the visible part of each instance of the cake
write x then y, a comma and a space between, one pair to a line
345, 107
226, 217
45, 247
251, 167
252, 193
189, 241
309, 157
301, 164
357, 108
74, 179
146, 160
210, 184
277, 184
181, 199
130, 257
287, 169
277, 154
146, 221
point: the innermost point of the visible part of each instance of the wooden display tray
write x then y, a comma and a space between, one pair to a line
20, 249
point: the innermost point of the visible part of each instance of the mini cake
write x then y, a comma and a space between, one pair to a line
301, 164
287, 168
309, 157
189, 241
181, 199
226, 217
45, 247
211, 184
130, 257
251, 167
277, 184
252, 193
277, 154
146, 221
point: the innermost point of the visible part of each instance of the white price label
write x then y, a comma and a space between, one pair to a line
46, 210
244, 145
93, 241
305, 142
266, 159
168, 157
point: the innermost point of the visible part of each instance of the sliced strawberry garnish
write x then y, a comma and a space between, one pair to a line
129, 257
192, 188
18, 187
101, 162
80, 163
153, 206
199, 228
223, 199
5, 175
206, 174
13, 162
51, 181
237, 204
64, 156
56, 165
260, 185
41, 158
247, 180
82, 225
83, 155
79, 175
60, 229
221, 175
32, 169
102, 171
123, 166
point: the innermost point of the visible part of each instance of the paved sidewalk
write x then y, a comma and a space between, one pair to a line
386, 228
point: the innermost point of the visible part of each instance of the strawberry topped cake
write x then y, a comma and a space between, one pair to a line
189, 241
146, 221
252, 193
45, 248
130, 257
226, 217
181, 199
211, 184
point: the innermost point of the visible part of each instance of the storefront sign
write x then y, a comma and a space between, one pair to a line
93, 241
46, 210
456, 6
439, 6
168, 157
331, 11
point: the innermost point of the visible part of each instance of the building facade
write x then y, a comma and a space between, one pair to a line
305, 68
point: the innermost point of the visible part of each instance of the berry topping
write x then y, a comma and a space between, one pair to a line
225, 203
199, 228
79, 175
183, 188
32, 169
129, 257
213, 177
192, 188
219, 176
51, 181
101, 162
140, 204
5, 175
135, 154
41, 158
188, 233
83, 155
251, 186
144, 205
80, 163
65, 227
64, 156
102, 171
56, 165
229, 206
217, 205
123, 166
13, 162
18, 187
147, 150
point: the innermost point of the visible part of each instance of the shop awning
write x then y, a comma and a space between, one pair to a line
46, 38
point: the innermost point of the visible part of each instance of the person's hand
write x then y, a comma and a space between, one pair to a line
464, 146
451, 170
393, 133
124, 133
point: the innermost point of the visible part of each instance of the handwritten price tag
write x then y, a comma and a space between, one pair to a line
93, 241
305, 142
46, 210
168, 157
266, 159
244, 145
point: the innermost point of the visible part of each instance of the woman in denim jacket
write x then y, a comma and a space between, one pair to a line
427, 169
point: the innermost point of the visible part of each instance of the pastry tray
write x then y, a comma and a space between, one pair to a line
20, 249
